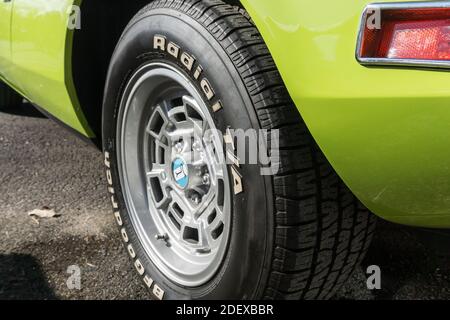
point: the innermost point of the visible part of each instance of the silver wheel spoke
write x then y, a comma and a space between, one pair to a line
174, 210
160, 202
205, 238
157, 125
157, 170
212, 226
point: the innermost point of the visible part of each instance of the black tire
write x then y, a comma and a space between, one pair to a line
296, 235
8, 97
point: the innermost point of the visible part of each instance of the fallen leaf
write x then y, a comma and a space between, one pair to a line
43, 213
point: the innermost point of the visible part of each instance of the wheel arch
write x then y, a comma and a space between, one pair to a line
102, 23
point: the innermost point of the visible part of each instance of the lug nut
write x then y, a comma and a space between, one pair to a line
196, 146
206, 179
179, 147
195, 198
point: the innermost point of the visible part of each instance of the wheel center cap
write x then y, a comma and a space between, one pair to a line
180, 172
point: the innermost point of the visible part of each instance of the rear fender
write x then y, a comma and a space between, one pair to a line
384, 130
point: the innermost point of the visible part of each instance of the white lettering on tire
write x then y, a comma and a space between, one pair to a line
156, 290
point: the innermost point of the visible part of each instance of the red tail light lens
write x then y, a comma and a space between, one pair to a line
408, 34
420, 40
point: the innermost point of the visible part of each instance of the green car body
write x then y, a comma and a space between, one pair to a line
384, 130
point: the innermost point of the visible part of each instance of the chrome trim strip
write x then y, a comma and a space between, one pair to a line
439, 64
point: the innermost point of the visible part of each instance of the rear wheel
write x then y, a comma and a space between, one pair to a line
183, 76
8, 97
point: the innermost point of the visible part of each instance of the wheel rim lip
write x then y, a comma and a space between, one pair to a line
205, 267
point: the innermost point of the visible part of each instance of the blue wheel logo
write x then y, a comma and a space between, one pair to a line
180, 172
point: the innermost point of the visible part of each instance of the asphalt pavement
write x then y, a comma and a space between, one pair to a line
42, 165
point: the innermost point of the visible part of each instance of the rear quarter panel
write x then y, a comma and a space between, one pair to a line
384, 130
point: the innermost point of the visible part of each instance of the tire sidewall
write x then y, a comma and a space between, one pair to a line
244, 269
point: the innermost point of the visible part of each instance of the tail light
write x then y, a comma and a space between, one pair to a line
413, 33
